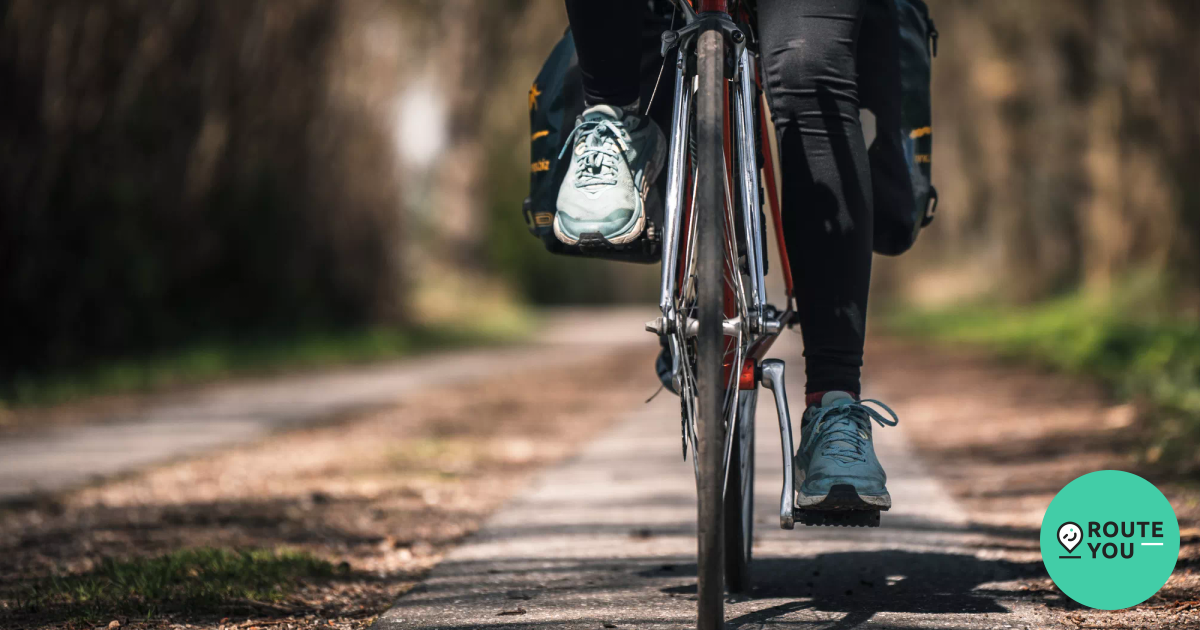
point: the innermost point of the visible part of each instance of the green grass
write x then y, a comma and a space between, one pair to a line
223, 358
1124, 339
196, 580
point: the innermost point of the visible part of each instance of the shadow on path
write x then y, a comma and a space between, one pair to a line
857, 584
864, 583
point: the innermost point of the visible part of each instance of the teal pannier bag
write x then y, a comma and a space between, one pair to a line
555, 100
896, 50
918, 47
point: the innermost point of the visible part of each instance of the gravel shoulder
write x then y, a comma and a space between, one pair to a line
381, 496
1005, 438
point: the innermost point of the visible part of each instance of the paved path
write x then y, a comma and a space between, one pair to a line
225, 415
607, 540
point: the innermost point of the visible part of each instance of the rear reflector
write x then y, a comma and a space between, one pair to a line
747, 379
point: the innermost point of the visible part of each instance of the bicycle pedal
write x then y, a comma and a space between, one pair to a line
838, 518
593, 241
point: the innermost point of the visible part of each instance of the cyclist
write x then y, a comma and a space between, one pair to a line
809, 51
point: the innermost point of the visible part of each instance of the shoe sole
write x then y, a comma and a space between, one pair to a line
657, 160
841, 497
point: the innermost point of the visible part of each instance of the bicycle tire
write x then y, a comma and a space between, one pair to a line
739, 498
710, 340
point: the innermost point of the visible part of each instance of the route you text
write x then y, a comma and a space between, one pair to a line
1124, 529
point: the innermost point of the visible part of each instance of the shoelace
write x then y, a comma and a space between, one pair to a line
598, 158
841, 439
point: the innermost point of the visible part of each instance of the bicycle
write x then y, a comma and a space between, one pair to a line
716, 320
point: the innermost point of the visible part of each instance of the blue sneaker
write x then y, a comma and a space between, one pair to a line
836, 467
615, 157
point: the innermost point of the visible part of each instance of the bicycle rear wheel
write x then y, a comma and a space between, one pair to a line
710, 339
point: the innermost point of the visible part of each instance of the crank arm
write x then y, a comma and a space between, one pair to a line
772, 379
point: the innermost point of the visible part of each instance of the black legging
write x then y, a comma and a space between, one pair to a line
809, 70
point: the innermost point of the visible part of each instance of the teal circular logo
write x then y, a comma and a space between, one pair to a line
1110, 540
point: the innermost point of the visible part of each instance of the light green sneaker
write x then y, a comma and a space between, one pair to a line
616, 155
836, 467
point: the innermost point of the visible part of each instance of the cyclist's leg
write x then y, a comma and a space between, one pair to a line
606, 36
809, 68
809, 49
617, 153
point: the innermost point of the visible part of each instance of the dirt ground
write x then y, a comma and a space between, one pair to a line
1020, 435
382, 496
379, 496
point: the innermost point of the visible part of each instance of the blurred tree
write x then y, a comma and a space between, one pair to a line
1067, 144
179, 170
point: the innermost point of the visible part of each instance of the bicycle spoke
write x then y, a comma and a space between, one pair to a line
685, 307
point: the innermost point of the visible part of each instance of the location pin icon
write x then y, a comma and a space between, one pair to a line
1069, 536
